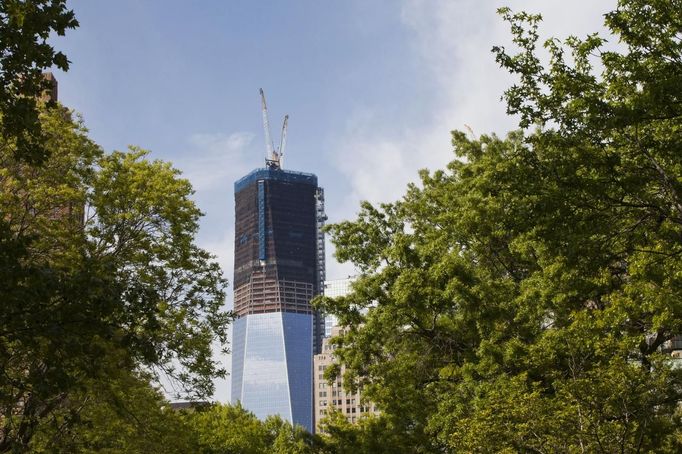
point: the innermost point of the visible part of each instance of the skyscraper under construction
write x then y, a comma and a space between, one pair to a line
278, 268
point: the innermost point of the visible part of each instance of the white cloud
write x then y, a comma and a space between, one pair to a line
214, 163
216, 160
334, 269
222, 246
452, 40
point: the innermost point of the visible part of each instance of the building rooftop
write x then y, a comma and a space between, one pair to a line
277, 174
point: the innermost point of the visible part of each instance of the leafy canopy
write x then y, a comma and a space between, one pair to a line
100, 274
228, 429
25, 26
523, 298
122, 414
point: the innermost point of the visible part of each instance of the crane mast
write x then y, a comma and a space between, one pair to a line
270, 157
274, 156
283, 140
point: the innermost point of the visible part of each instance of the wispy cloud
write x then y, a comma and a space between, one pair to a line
217, 159
452, 40
214, 162
222, 246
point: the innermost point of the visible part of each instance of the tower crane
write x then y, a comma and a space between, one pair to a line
283, 140
274, 157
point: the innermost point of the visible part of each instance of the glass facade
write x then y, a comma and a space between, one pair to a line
272, 365
333, 289
278, 269
298, 343
238, 339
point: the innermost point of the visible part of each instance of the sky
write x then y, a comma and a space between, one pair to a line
372, 87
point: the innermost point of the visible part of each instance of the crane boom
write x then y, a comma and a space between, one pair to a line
269, 145
283, 139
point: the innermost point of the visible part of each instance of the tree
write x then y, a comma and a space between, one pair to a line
519, 299
284, 438
25, 26
231, 429
228, 429
123, 414
371, 434
99, 274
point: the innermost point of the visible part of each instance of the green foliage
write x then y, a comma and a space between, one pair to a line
519, 299
122, 414
141, 221
283, 438
371, 434
25, 26
225, 429
99, 275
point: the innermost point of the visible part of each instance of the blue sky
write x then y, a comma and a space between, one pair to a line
372, 87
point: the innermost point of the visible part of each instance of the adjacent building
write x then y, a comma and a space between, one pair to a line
333, 289
278, 269
674, 348
332, 396
51, 93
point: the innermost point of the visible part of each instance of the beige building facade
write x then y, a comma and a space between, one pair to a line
331, 396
